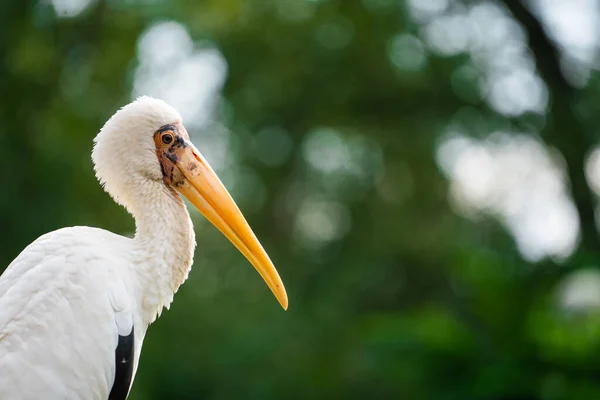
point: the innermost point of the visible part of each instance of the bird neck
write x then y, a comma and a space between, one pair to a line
164, 248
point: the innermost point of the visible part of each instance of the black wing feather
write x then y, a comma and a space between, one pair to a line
123, 368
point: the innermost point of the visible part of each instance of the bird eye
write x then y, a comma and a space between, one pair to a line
167, 138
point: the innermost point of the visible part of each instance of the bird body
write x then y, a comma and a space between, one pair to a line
76, 303
50, 296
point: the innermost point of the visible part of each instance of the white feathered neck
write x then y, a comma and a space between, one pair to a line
126, 165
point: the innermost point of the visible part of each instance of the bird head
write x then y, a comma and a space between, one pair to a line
145, 145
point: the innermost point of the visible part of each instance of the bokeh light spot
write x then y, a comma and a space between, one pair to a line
407, 52
449, 35
422, 10
171, 69
580, 290
70, 8
319, 222
325, 149
518, 92
514, 178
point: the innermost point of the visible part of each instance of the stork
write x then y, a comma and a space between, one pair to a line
75, 305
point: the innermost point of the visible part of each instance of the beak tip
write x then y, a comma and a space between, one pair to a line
283, 299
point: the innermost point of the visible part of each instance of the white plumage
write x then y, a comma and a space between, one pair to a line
77, 301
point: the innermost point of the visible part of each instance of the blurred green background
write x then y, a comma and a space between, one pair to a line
424, 174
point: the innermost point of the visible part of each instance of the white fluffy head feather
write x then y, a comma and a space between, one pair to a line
124, 152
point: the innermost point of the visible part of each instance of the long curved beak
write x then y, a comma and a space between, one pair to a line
196, 180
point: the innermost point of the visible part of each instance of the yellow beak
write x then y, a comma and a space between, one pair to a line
196, 180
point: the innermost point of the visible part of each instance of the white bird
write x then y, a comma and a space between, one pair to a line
76, 303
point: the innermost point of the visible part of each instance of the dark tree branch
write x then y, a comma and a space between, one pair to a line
566, 131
